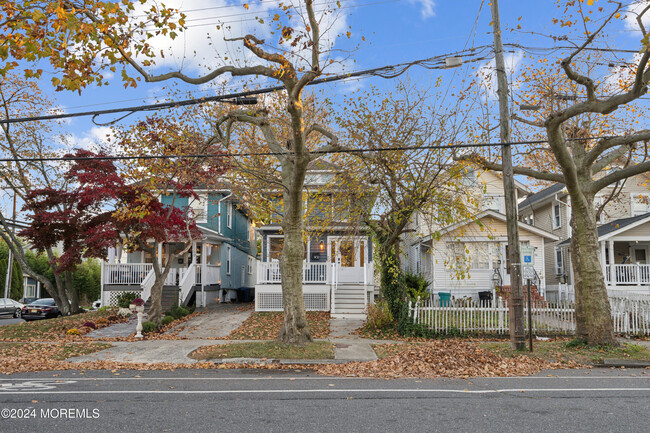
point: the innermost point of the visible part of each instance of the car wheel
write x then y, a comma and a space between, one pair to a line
18, 313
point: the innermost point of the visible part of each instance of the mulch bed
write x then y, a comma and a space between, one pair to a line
266, 326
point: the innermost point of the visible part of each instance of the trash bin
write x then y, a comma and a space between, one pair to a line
445, 298
485, 296
243, 294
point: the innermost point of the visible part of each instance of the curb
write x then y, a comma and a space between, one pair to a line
622, 363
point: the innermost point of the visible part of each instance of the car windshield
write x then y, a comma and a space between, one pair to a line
44, 302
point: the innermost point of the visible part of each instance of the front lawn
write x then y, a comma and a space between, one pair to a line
266, 349
22, 357
266, 326
571, 350
56, 329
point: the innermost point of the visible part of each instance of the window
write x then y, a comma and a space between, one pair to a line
199, 207
494, 202
557, 218
250, 265
276, 244
472, 255
640, 205
229, 214
228, 259
559, 262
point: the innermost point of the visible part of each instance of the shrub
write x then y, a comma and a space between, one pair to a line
101, 322
90, 324
178, 312
105, 308
73, 331
416, 286
125, 299
167, 320
149, 326
379, 316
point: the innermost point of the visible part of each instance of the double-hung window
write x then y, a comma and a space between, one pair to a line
557, 216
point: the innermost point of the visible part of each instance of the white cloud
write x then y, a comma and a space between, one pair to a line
427, 6
621, 76
487, 72
98, 137
633, 12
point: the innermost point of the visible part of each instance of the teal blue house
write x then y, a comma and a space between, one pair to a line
219, 267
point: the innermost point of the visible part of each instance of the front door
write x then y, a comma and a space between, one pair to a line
349, 256
640, 255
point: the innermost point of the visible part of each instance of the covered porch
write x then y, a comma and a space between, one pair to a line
337, 270
194, 274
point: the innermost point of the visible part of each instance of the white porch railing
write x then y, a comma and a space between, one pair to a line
147, 284
126, 273
269, 272
628, 275
173, 278
314, 272
186, 283
629, 315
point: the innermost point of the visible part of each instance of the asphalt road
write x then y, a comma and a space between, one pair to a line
276, 401
9, 321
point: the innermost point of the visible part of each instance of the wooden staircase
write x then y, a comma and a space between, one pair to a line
169, 298
349, 302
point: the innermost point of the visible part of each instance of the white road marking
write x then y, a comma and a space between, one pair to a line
330, 378
340, 391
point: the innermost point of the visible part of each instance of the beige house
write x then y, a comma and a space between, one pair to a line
623, 235
470, 256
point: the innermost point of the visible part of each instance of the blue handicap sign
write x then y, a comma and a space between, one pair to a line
528, 259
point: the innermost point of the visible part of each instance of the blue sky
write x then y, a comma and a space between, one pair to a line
394, 30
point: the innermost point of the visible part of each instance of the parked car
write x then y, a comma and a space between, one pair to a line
41, 309
11, 308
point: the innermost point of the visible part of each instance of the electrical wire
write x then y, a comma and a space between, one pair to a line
317, 152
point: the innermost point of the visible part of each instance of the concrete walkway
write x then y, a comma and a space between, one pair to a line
347, 346
218, 321
123, 329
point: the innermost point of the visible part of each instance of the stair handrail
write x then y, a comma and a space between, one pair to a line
147, 284
186, 283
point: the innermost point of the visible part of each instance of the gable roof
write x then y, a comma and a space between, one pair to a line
500, 217
543, 194
612, 228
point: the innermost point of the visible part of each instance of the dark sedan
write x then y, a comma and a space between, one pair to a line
41, 309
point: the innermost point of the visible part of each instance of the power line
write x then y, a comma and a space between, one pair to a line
318, 152
389, 71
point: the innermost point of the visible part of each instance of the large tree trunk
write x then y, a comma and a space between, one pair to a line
593, 311
295, 329
155, 310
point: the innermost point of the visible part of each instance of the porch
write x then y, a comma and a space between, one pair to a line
195, 272
625, 265
337, 271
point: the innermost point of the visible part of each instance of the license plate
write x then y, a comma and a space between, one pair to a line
33, 311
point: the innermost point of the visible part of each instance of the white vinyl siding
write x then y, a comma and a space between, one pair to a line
494, 202
640, 204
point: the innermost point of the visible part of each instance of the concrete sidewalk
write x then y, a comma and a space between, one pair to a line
347, 347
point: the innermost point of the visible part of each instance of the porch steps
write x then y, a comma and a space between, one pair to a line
169, 298
349, 301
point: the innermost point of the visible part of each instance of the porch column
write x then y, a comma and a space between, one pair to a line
160, 250
612, 273
204, 273
194, 252
118, 254
603, 261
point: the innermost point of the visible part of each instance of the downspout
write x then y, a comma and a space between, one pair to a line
221, 293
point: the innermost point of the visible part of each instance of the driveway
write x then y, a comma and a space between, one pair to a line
9, 321
218, 321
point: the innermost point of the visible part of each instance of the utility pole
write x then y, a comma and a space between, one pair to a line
10, 259
516, 304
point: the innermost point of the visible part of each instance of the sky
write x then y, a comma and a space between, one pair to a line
382, 32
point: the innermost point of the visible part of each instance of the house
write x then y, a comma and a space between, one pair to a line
623, 235
470, 256
215, 268
338, 270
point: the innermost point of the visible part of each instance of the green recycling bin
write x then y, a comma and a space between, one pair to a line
445, 298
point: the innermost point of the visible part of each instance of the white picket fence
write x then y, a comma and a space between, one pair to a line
630, 316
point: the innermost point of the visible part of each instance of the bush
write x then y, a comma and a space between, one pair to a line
149, 326
177, 312
73, 331
104, 308
379, 316
126, 299
167, 320
101, 322
416, 286
90, 324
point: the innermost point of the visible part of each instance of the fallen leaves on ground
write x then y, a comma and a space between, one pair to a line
266, 326
21, 357
56, 329
265, 350
443, 358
